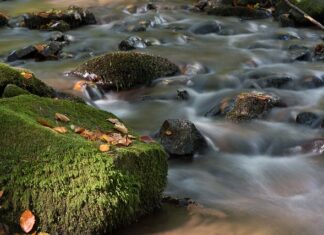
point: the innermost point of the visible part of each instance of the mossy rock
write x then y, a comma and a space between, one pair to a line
125, 70
12, 90
70, 186
10, 75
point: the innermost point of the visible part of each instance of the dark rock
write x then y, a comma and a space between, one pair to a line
182, 95
275, 81
151, 6
242, 12
286, 21
181, 138
59, 37
206, 28
3, 20
62, 20
299, 53
131, 43
125, 70
310, 119
21, 54
311, 82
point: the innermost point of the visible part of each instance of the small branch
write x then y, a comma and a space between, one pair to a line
306, 16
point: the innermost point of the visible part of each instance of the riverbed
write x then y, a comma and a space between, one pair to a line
244, 184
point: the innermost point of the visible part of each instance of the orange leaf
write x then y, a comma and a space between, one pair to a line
79, 130
61, 117
27, 75
104, 148
40, 47
79, 85
44, 122
60, 129
147, 139
27, 221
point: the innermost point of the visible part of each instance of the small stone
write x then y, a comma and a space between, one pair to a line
131, 43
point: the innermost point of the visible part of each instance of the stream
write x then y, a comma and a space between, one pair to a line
245, 186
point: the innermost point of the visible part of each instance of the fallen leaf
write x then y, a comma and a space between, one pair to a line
88, 135
113, 120
27, 221
60, 129
61, 117
124, 141
27, 75
147, 139
104, 148
121, 127
44, 122
168, 132
79, 130
40, 47
106, 138
79, 85
131, 137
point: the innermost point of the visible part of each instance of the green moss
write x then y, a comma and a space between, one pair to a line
311, 7
64, 179
124, 70
13, 90
10, 75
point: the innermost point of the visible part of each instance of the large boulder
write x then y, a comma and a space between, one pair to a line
181, 138
125, 70
59, 20
68, 184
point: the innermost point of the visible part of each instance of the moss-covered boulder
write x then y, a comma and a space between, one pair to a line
12, 90
23, 79
61, 20
3, 20
68, 184
125, 70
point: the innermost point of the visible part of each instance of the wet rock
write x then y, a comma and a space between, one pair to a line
3, 20
206, 28
125, 70
310, 119
286, 36
242, 12
60, 37
300, 53
311, 82
319, 52
194, 69
275, 81
182, 95
180, 138
131, 43
251, 105
61, 20
315, 146
39, 52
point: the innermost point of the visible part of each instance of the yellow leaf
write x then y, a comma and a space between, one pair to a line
27, 221
61, 117
60, 129
27, 75
104, 148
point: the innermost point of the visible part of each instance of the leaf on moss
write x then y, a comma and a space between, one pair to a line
27, 221
60, 129
79, 130
147, 139
61, 117
104, 147
79, 85
125, 141
121, 128
26, 75
44, 122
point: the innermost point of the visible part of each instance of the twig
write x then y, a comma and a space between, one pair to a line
306, 16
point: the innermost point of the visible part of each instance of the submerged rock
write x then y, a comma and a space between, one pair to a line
67, 183
131, 43
310, 119
3, 20
315, 146
180, 138
206, 28
61, 20
125, 70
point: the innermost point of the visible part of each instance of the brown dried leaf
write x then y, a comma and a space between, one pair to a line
61, 117
124, 141
121, 127
60, 129
44, 122
27, 221
113, 120
88, 134
26, 75
104, 148
147, 139
79, 130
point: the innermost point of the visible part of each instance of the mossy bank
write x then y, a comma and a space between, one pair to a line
70, 186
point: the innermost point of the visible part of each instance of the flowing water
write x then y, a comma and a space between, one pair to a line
244, 185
